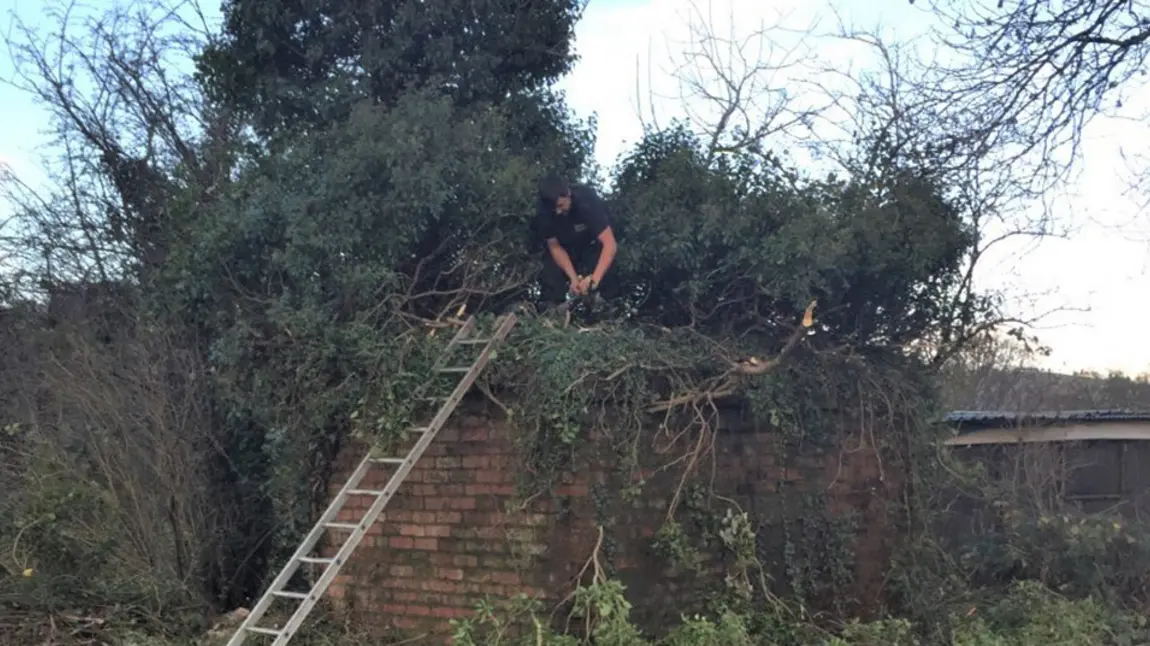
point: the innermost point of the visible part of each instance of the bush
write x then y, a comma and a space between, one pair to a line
1027, 614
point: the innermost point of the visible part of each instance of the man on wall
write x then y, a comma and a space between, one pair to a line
580, 242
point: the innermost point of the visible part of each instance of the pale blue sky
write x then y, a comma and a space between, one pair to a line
622, 42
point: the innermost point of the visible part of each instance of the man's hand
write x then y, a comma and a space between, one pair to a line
578, 286
585, 284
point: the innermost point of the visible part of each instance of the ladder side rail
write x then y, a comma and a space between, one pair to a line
397, 479
309, 542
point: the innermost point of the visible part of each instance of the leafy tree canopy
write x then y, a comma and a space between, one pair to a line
291, 63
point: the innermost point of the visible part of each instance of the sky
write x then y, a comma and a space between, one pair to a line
628, 52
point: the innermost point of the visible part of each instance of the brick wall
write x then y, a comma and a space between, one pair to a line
456, 532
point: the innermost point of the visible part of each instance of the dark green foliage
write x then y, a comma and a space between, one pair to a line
733, 244
295, 63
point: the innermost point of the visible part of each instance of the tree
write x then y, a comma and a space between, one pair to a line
738, 92
1023, 79
130, 134
136, 154
879, 135
388, 182
291, 64
741, 242
894, 126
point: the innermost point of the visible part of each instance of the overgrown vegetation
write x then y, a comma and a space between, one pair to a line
1028, 613
236, 271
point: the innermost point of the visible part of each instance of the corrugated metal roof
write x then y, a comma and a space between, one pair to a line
983, 419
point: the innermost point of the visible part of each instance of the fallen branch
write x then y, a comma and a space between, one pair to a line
726, 384
598, 575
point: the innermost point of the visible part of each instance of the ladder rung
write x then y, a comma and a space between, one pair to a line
474, 341
264, 631
341, 525
290, 595
316, 560
419, 429
455, 369
363, 492
389, 460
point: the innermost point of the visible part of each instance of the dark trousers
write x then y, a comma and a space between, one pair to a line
555, 284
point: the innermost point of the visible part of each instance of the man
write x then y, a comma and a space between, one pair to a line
580, 242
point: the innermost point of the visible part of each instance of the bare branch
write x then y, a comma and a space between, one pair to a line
734, 89
1025, 78
122, 122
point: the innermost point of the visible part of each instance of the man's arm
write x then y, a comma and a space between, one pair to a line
600, 226
606, 256
562, 259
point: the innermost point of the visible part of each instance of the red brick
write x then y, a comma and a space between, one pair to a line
506, 578
437, 476
439, 531
474, 435
437, 585
462, 504
465, 560
423, 517
477, 518
455, 574
400, 515
487, 476
505, 462
490, 490
488, 532
448, 463
404, 623
465, 547
412, 530
436, 449
476, 462
448, 517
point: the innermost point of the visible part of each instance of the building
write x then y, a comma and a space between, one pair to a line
1095, 459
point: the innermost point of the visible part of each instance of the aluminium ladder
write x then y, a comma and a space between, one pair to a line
331, 566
